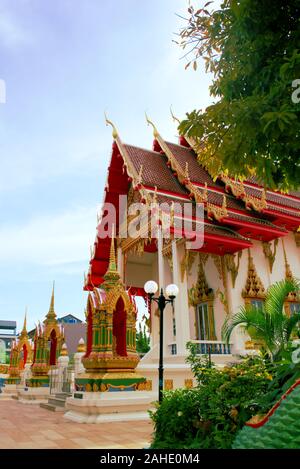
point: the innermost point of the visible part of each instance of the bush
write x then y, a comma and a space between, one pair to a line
210, 415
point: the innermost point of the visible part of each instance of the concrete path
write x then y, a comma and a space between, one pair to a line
29, 426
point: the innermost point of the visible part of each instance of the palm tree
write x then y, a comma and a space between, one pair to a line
268, 324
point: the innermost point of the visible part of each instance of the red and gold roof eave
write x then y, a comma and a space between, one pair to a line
253, 229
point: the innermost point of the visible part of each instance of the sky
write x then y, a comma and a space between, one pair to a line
65, 63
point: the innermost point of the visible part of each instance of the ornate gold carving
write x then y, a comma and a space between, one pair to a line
168, 385
269, 254
254, 287
255, 203
188, 383
200, 292
293, 297
297, 237
144, 386
217, 212
232, 266
235, 187
187, 263
218, 264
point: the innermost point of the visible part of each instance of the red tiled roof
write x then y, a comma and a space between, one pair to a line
155, 170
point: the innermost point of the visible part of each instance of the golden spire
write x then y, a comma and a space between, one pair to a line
51, 313
112, 267
109, 122
112, 275
155, 131
24, 331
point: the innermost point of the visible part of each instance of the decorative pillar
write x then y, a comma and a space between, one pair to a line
81, 349
181, 304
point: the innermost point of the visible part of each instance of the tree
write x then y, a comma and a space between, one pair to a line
269, 324
252, 49
142, 340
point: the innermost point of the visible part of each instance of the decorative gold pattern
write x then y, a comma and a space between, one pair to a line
217, 212
269, 254
297, 237
232, 265
233, 186
168, 385
293, 297
254, 287
187, 263
255, 203
188, 383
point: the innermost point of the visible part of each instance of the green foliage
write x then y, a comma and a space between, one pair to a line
284, 374
269, 324
252, 49
142, 340
210, 415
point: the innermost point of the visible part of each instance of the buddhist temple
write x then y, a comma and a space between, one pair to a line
238, 258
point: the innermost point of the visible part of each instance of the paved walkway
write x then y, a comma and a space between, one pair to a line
29, 426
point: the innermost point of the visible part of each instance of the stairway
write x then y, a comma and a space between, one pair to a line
56, 403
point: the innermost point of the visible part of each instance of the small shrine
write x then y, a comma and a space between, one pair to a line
111, 358
48, 341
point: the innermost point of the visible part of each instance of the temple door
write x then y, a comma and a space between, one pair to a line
53, 347
119, 328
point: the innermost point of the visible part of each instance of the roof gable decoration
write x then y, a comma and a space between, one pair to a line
200, 196
254, 287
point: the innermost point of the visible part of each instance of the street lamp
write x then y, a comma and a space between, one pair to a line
151, 288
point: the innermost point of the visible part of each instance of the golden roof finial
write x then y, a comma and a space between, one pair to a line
25, 322
174, 117
155, 131
51, 313
109, 122
112, 267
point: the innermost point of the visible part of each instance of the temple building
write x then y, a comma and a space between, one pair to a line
249, 241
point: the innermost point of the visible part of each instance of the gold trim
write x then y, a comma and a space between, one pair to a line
269, 254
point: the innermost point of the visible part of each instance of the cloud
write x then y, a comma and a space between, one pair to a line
12, 33
50, 240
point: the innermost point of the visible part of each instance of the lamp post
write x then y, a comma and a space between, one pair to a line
151, 288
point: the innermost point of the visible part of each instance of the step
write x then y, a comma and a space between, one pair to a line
63, 395
57, 402
52, 407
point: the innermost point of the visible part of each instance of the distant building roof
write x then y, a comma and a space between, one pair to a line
8, 325
69, 318
73, 333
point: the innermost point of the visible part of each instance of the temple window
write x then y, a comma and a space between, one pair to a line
294, 308
257, 303
202, 298
205, 326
